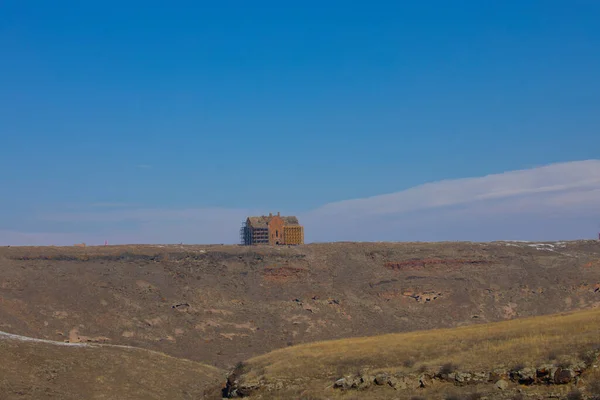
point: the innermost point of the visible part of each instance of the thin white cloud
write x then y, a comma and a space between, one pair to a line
489, 207
557, 201
574, 177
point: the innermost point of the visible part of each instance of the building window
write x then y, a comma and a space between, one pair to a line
276, 233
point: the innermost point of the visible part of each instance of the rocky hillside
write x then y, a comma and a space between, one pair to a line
224, 304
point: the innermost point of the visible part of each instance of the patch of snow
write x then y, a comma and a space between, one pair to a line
21, 338
542, 246
12, 336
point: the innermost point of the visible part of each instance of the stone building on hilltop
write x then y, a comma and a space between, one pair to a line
272, 230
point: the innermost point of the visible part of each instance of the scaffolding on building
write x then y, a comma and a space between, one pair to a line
281, 230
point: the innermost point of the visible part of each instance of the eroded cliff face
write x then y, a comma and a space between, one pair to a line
223, 304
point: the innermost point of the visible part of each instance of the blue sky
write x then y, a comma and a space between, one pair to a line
152, 108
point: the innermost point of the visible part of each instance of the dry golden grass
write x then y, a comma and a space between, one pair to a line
484, 347
31, 370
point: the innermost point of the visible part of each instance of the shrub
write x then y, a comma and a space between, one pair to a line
447, 368
240, 368
594, 388
589, 356
574, 395
408, 363
518, 366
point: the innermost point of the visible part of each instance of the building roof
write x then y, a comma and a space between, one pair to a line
290, 220
258, 222
263, 221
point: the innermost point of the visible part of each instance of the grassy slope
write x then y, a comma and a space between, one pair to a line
32, 370
532, 341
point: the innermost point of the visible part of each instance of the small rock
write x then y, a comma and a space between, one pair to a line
425, 381
480, 377
501, 384
545, 373
563, 376
496, 375
366, 381
462, 377
395, 383
246, 388
525, 376
404, 382
348, 382
579, 366
382, 379
340, 383
352, 382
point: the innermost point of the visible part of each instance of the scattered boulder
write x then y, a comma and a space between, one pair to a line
464, 378
501, 384
525, 376
348, 382
545, 373
398, 384
563, 376
579, 367
382, 379
245, 388
340, 383
425, 381
480, 377
366, 381
496, 375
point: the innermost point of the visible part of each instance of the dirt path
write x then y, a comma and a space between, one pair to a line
21, 338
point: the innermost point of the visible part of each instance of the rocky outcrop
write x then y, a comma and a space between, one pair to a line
542, 375
240, 384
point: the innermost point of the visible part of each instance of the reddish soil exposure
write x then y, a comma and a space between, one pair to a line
427, 262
